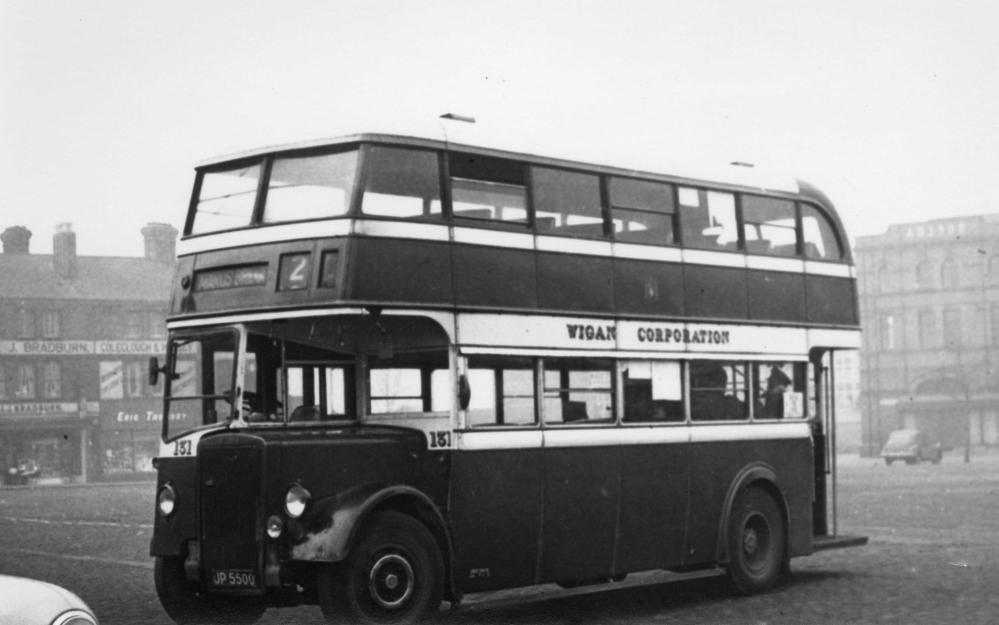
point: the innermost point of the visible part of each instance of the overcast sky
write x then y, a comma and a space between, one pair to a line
892, 107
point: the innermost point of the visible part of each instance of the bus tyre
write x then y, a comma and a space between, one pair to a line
184, 602
394, 574
755, 542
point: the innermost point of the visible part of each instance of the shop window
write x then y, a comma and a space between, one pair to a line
51, 326
502, 391
567, 203
401, 183
642, 211
134, 379
3, 382
578, 391
51, 380
25, 381
718, 391
653, 391
309, 187
779, 390
769, 226
707, 219
490, 189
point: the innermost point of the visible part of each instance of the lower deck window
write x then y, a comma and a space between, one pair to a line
718, 391
653, 391
502, 391
578, 391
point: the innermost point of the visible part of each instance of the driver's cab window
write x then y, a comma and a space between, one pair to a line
410, 382
318, 391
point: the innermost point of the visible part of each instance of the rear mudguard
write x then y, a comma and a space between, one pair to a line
759, 473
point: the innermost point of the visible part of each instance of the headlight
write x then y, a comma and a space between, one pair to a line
275, 526
166, 500
295, 500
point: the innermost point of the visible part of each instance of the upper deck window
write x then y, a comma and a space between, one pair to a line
567, 203
310, 187
819, 235
401, 183
226, 199
707, 219
642, 211
488, 188
769, 226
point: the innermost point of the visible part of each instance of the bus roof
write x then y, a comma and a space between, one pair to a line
463, 136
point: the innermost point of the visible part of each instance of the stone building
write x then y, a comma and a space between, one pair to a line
76, 333
929, 304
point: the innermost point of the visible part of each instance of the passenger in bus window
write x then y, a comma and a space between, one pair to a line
709, 400
771, 404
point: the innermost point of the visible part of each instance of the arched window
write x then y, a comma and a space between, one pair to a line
924, 274
950, 274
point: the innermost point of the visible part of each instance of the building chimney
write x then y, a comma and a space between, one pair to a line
64, 251
15, 240
161, 242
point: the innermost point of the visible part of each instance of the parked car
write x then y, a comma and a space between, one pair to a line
912, 446
26, 601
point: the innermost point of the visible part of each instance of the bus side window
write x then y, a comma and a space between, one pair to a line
819, 235
718, 391
578, 391
707, 219
401, 183
779, 390
653, 391
769, 226
567, 203
502, 391
642, 211
490, 189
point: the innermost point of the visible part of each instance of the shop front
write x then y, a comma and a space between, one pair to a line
129, 437
44, 442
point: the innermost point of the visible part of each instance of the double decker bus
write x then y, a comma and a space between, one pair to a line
403, 369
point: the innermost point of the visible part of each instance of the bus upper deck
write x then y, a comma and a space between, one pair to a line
376, 220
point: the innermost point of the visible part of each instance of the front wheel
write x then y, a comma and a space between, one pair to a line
184, 602
755, 542
394, 574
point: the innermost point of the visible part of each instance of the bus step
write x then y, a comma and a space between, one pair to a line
823, 542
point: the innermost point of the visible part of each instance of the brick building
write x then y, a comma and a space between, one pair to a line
929, 304
76, 333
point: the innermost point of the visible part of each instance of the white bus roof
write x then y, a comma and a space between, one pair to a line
583, 150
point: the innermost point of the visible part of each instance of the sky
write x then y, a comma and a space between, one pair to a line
891, 107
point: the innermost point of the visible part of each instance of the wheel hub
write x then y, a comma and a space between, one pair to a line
391, 581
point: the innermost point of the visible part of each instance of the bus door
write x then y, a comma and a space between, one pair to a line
581, 469
496, 470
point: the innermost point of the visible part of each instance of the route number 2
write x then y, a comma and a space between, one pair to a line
439, 440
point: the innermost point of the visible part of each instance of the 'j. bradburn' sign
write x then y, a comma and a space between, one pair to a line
82, 348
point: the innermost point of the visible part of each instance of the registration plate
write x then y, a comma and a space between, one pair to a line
234, 578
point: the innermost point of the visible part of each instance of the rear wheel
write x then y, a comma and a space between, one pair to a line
756, 546
184, 602
394, 574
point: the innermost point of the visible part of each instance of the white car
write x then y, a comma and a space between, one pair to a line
26, 601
